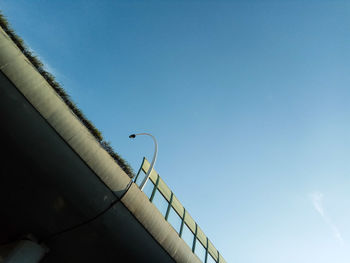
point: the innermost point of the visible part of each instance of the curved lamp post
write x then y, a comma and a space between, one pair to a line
132, 136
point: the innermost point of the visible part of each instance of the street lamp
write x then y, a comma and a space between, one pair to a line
132, 136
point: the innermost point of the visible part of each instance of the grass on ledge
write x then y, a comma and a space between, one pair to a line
63, 94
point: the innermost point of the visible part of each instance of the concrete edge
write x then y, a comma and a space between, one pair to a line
149, 216
47, 102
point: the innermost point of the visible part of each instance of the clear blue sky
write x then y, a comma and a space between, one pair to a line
249, 101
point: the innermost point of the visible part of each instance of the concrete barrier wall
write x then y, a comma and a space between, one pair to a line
28, 81
47, 102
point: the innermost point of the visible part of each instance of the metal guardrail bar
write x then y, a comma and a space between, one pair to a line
185, 217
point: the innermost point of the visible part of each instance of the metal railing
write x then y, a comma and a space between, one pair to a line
177, 216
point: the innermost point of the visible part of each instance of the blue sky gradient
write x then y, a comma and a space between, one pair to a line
249, 101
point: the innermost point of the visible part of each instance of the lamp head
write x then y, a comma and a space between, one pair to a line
132, 136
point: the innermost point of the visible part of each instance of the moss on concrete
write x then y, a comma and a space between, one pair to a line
63, 94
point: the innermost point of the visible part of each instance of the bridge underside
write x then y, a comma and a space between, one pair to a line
48, 191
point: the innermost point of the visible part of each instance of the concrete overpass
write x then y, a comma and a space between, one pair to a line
60, 186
